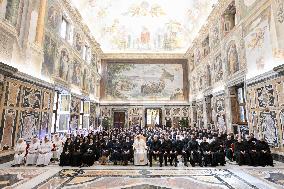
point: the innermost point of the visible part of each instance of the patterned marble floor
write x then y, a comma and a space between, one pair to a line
131, 177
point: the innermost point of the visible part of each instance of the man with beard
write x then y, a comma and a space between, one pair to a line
155, 147
205, 152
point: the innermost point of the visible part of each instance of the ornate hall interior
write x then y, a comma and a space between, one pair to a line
86, 87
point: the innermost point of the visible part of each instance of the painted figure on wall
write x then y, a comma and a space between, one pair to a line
49, 56
53, 17
84, 80
75, 105
78, 42
65, 101
12, 97
12, 11
63, 122
218, 68
233, 60
269, 127
44, 124
265, 96
9, 127
64, 65
145, 38
29, 124
221, 124
74, 122
76, 76
31, 98
46, 103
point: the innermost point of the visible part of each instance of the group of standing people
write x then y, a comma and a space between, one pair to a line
201, 147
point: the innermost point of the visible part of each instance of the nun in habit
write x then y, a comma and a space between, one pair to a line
65, 158
140, 151
45, 154
32, 152
77, 153
20, 152
88, 158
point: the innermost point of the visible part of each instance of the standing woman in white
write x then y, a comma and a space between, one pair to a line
45, 154
140, 151
20, 152
33, 152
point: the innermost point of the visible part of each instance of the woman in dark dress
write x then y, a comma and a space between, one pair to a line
88, 158
76, 159
65, 156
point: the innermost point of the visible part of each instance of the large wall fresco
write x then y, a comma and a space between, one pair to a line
26, 111
144, 25
258, 44
144, 82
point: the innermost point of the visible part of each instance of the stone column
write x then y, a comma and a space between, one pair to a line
40, 22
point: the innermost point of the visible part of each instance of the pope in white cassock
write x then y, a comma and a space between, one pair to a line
20, 152
45, 154
32, 152
140, 151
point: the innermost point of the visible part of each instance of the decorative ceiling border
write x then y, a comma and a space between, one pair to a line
118, 56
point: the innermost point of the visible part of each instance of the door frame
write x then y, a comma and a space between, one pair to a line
125, 118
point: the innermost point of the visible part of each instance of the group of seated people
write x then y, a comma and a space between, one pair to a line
201, 147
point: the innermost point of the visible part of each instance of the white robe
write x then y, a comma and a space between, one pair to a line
32, 153
58, 149
20, 152
140, 152
45, 154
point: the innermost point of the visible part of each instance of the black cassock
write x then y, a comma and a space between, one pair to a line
88, 157
65, 157
77, 154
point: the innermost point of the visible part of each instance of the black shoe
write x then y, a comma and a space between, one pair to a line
176, 165
186, 165
150, 164
161, 165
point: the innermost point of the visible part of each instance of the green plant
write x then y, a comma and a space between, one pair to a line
183, 122
106, 123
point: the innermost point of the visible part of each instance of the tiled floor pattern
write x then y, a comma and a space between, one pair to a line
131, 177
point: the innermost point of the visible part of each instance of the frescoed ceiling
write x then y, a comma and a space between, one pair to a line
166, 26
